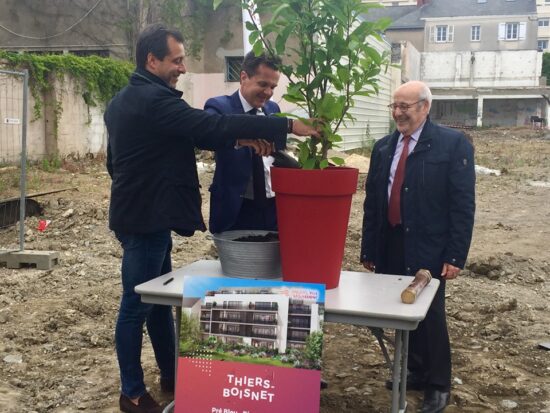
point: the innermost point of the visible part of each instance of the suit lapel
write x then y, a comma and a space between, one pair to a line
236, 105
237, 108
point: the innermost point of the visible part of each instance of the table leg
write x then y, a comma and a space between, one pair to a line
170, 407
403, 383
397, 363
178, 328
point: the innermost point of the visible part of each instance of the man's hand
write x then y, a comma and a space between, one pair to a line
369, 265
310, 127
261, 147
449, 272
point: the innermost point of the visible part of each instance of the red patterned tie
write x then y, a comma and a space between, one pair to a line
394, 208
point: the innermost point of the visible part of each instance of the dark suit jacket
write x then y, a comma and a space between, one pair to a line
151, 154
437, 200
233, 168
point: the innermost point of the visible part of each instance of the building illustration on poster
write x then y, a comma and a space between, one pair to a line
250, 346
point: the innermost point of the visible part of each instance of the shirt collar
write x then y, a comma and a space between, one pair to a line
416, 134
246, 106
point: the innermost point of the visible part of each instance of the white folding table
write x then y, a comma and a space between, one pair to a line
366, 299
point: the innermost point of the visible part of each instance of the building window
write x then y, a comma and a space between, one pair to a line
512, 31
233, 68
475, 34
542, 45
544, 22
441, 34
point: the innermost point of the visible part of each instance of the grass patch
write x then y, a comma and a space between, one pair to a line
251, 360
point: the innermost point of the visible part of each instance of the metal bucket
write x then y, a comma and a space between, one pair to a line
248, 259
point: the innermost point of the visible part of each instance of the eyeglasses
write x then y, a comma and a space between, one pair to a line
403, 107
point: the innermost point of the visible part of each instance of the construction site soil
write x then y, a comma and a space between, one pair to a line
56, 326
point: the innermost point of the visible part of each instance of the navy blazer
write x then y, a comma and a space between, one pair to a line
233, 167
437, 200
151, 154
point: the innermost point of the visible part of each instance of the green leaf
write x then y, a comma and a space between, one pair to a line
309, 164
362, 93
337, 11
337, 161
373, 54
323, 164
343, 74
304, 153
278, 11
330, 108
216, 4
334, 138
258, 48
294, 98
253, 37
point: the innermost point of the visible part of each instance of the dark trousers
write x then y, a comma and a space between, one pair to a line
145, 256
253, 215
429, 346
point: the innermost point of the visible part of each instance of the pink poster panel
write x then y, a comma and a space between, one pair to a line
210, 386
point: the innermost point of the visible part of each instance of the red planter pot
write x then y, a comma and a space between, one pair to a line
313, 208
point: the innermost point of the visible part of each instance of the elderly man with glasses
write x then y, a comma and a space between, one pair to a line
419, 213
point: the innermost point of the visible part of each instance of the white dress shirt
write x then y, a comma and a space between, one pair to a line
267, 160
399, 149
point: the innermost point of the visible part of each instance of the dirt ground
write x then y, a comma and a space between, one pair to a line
56, 327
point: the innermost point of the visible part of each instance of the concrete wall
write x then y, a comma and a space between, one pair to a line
481, 69
511, 112
453, 112
79, 130
414, 36
410, 62
47, 26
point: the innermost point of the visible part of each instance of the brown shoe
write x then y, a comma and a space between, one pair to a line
146, 404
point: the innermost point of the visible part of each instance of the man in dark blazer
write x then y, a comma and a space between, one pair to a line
155, 190
419, 213
233, 202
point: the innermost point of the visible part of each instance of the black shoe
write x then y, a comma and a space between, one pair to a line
435, 400
146, 404
415, 381
324, 384
167, 385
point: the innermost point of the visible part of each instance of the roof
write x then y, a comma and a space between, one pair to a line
413, 17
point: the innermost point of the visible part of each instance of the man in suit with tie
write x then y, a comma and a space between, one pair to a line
419, 213
240, 194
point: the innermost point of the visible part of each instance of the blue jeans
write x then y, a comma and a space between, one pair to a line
145, 257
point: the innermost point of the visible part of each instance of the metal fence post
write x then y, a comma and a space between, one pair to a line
14, 118
23, 163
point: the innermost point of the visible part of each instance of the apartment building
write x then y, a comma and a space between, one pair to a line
479, 57
259, 318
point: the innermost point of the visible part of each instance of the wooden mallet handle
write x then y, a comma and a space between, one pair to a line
421, 279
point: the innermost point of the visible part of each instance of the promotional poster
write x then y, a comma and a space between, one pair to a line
250, 346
